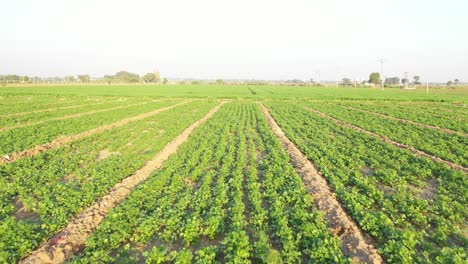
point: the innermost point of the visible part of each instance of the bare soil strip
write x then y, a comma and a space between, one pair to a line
389, 141
72, 238
53, 109
71, 116
445, 130
355, 243
66, 139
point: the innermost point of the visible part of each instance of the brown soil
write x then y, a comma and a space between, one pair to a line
104, 154
389, 141
70, 116
71, 239
445, 130
430, 190
355, 243
69, 178
22, 213
367, 171
66, 139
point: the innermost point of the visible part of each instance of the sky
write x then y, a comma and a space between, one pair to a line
242, 39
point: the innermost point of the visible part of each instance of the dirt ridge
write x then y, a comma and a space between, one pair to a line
441, 129
355, 243
389, 141
71, 239
61, 140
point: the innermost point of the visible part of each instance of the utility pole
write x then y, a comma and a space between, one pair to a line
317, 72
381, 60
407, 80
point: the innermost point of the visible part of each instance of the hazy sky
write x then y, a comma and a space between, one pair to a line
236, 39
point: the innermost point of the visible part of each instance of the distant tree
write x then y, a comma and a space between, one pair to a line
449, 83
417, 79
164, 80
195, 82
295, 82
109, 79
346, 82
375, 78
127, 77
70, 79
456, 81
12, 78
405, 81
84, 78
150, 78
219, 81
392, 81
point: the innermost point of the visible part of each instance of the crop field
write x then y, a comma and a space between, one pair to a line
232, 174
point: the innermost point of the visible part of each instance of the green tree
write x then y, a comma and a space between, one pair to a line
109, 79
346, 82
127, 77
70, 79
456, 81
164, 81
375, 78
150, 78
84, 78
392, 81
416, 79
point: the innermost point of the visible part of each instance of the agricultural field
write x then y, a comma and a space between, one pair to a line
232, 174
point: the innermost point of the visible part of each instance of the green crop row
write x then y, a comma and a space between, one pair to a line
39, 195
10, 121
228, 195
14, 105
446, 146
27, 137
454, 118
414, 208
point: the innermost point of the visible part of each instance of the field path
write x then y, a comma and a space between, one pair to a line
389, 141
355, 243
66, 139
72, 238
444, 130
74, 115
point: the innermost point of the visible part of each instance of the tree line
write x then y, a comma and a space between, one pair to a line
119, 77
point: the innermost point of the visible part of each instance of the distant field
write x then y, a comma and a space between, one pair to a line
243, 91
235, 174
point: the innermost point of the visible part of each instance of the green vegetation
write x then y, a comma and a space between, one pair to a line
413, 207
39, 194
245, 91
446, 146
230, 193
454, 117
24, 138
